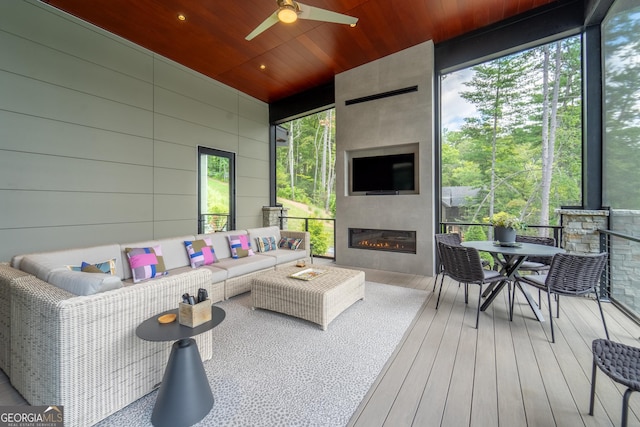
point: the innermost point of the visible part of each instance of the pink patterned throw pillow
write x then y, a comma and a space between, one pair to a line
239, 246
200, 252
146, 263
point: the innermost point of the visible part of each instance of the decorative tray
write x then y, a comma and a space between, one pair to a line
507, 244
307, 274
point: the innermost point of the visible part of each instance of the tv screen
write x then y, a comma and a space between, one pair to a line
383, 173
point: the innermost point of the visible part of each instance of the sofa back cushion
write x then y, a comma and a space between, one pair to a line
220, 242
263, 232
42, 264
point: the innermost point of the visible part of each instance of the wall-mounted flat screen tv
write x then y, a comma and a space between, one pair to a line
389, 173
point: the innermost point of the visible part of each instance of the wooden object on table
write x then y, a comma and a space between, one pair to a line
194, 315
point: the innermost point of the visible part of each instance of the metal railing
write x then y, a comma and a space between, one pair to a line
211, 223
620, 281
328, 234
446, 227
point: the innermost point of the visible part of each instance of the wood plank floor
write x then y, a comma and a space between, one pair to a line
447, 373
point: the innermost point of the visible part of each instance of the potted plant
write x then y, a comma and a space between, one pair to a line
505, 226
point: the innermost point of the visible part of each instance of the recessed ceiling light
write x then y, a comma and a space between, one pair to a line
181, 17
263, 67
352, 25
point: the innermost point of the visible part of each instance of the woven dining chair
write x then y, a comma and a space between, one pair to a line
450, 239
463, 265
570, 275
619, 362
536, 264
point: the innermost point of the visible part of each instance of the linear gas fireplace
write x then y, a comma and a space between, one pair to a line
383, 240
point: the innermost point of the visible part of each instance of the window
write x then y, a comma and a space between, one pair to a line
512, 135
216, 189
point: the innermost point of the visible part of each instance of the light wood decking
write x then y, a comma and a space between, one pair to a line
447, 373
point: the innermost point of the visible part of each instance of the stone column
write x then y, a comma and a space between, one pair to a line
580, 229
271, 216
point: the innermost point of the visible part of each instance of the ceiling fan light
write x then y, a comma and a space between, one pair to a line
287, 14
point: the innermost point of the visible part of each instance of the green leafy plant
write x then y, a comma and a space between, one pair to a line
507, 220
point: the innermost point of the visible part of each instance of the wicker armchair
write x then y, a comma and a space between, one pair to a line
570, 275
463, 265
619, 362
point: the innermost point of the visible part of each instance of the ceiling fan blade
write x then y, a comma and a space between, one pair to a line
317, 14
270, 21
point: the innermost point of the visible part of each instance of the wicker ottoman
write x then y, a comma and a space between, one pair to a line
319, 300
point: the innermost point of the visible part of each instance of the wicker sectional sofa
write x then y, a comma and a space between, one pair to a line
81, 351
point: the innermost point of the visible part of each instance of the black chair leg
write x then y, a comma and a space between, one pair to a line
466, 293
593, 385
602, 315
553, 338
439, 293
625, 407
479, 304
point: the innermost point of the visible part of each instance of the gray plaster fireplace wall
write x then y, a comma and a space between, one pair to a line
384, 118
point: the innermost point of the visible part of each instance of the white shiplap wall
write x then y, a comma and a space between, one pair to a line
99, 137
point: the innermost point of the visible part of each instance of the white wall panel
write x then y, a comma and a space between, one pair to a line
26, 171
41, 63
168, 207
50, 27
191, 110
164, 229
253, 109
176, 156
39, 239
176, 78
40, 135
252, 168
253, 130
175, 181
99, 137
180, 131
36, 98
57, 208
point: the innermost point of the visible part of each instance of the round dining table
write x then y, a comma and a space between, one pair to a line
510, 257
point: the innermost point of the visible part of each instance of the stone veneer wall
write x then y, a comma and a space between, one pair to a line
271, 216
580, 235
625, 259
580, 229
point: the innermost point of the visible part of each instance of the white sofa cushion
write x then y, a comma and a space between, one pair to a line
246, 265
41, 264
80, 283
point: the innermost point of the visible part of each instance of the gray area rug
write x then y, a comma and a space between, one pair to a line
269, 369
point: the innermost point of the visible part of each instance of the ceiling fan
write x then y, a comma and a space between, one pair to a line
290, 10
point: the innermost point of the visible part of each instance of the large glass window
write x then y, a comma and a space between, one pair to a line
512, 136
621, 148
305, 177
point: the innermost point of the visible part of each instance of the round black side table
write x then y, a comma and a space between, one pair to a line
185, 395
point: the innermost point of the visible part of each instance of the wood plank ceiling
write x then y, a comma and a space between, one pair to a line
296, 56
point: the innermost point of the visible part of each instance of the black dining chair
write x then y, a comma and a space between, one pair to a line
464, 265
619, 362
536, 264
450, 239
570, 275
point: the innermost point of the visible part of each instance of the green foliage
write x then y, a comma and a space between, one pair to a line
319, 237
475, 232
499, 150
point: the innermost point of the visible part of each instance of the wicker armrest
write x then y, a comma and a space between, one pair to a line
304, 235
82, 351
